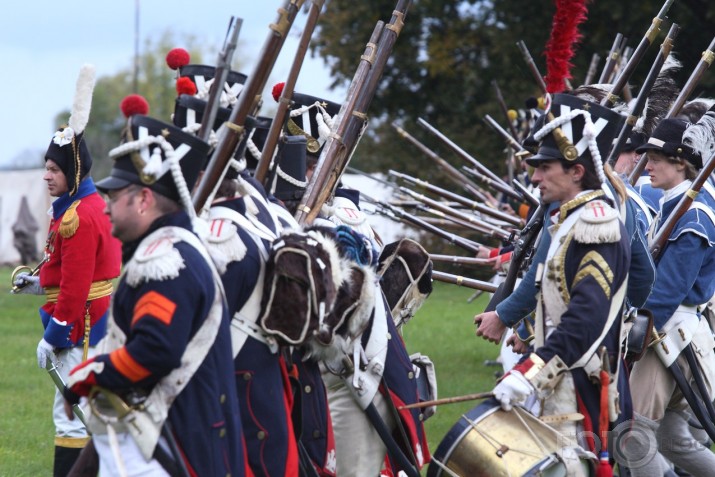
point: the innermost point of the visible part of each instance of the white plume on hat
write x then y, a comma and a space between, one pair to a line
82, 99
701, 136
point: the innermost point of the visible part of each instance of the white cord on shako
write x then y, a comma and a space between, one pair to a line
589, 132
324, 120
194, 128
228, 97
154, 166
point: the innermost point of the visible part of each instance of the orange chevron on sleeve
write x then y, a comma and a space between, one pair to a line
127, 365
155, 305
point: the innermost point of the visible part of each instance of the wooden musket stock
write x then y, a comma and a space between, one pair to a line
247, 103
639, 104
279, 119
463, 281
637, 55
351, 122
695, 77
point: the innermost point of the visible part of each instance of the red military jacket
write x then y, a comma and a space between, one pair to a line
81, 256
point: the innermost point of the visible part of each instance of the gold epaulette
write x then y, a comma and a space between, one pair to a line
70, 221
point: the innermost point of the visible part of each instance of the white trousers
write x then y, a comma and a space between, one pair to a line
124, 459
68, 358
359, 450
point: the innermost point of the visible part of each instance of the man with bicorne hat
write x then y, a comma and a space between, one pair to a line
163, 391
81, 259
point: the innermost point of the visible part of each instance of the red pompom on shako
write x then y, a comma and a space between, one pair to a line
134, 104
277, 90
184, 85
177, 57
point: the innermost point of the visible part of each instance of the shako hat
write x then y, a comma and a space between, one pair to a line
287, 180
309, 116
577, 130
68, 148
159, 156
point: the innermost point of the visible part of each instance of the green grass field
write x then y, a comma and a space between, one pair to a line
442, 329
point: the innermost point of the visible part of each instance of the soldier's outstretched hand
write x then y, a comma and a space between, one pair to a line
489, 326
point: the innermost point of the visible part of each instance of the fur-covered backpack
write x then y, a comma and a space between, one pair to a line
405, 272
314, 295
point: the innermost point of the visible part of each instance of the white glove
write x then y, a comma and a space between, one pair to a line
30, 284
513, 388
45, 351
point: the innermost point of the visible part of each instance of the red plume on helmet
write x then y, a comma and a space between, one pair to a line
277, 90
134, 104
559, 49
177, 57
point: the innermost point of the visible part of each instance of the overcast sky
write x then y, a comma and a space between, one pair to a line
44, 43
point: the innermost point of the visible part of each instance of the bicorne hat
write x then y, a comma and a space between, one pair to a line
68, 148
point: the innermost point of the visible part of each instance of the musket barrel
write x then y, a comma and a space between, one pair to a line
498, 185
497, 214
637, 55
279, 119
504, 109
532, 66
611, 60
639, 104
457, 260
705, 61
463, 281
247, 103
223, 66
509, 138
327, 175
591, 72
495, 231
450, 170
460, 152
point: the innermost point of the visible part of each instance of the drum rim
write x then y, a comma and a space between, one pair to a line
483, 409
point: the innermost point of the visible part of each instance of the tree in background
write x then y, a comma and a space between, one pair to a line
449, 51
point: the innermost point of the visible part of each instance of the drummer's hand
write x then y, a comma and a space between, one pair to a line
517, 345
489, 326
513, 388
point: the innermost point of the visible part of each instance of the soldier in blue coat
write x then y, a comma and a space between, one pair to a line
241, 229
685, 281
576, 365
163, 391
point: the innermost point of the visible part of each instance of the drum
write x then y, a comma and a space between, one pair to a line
490, 442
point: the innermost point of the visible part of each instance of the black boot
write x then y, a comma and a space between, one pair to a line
64, 459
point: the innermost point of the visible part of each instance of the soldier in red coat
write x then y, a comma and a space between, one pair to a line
81, 259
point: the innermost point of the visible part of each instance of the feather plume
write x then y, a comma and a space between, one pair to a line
559, 49
664, 91
701, 136
82, 99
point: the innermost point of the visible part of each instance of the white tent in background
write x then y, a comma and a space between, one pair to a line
17, 187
